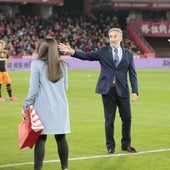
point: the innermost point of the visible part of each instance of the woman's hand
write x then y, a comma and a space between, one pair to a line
24, 114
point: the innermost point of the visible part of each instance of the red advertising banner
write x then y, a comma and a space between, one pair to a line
141, 5
59, 2
131, 5
152, 29
120, 4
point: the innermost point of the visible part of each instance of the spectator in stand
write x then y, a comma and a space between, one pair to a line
4, 76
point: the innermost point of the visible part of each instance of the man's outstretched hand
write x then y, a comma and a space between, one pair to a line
65, 48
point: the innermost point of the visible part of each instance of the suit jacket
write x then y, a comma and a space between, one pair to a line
109, 71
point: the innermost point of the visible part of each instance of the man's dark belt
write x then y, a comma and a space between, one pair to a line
113, 85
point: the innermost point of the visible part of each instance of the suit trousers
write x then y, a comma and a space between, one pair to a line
110, 103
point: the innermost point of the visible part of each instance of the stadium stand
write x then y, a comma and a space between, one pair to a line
23, 33
85, 28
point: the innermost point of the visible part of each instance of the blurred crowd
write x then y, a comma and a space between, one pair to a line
23, 34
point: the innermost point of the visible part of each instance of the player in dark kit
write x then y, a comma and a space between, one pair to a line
4, 76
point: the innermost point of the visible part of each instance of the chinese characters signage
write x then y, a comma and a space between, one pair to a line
153, 29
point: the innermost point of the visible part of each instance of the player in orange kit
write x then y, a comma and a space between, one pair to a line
4, 76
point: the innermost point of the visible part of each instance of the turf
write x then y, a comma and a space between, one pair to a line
150, 125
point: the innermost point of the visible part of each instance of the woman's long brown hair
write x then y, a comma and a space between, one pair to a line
48, 52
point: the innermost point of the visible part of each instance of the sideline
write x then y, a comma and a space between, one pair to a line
90, 157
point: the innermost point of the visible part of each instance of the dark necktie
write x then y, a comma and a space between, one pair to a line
116, 57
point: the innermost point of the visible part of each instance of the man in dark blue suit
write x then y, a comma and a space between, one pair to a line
116, 63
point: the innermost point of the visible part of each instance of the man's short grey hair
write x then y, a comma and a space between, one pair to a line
116, 29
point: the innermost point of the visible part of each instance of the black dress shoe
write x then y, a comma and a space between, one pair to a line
129, 149
111, 151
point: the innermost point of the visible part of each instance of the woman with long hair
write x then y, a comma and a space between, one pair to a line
47, 93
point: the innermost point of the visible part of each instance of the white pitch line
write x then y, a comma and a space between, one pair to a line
90, 157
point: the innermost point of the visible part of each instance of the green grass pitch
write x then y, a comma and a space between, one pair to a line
150, 125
